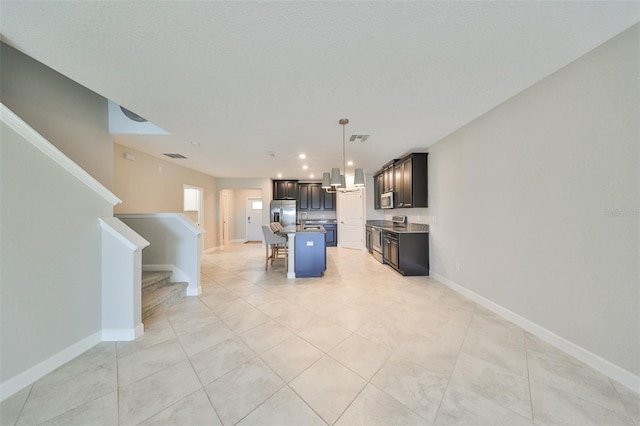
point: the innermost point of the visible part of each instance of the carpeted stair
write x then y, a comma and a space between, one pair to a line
158, 291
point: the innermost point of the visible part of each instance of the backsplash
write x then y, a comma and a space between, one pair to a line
413, 215
317, 215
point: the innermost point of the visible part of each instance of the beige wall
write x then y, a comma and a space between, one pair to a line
152, 185
70, 116
525, 197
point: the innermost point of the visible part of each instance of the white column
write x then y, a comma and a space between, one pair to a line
291, 260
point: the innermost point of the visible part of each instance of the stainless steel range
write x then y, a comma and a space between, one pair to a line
376, 243
375, 240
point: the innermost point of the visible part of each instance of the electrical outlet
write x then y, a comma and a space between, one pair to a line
458, 267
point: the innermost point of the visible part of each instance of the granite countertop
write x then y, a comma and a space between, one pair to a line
412, 228
297, 228
317, 221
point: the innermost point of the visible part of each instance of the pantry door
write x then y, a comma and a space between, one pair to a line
351, 219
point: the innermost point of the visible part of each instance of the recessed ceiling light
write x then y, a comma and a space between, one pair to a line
194, 143
311, 175
302, 156
279, 174
349, 163
305, 167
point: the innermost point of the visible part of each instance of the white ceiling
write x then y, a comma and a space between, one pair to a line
244, 78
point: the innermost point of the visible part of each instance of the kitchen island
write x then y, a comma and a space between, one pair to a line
307, 251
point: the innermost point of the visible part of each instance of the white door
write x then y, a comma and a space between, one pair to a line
351, 220
254, 219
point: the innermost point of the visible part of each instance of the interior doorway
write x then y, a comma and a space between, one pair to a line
192, 203
254, 219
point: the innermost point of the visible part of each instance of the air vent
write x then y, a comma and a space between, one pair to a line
358, 138
175, 155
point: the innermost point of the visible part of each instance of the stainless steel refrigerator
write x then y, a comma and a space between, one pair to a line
283, 211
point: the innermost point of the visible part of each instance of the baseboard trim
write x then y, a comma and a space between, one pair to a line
27, 377
600, 364
238, 241
196, 292
122, 335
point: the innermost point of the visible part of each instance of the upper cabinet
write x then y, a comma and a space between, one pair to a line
411, 181
408, 182
312, 197
378, 189
388, 179
285, 189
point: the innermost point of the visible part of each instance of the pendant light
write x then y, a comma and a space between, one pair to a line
336, 181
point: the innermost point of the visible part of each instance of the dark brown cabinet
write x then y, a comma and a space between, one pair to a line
411, 181
285, 190
406, 252
390, 248
312, 197
388, 177
378, 189
407, 178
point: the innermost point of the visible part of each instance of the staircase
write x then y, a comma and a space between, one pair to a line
158, 291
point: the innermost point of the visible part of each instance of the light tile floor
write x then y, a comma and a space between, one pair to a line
360, 346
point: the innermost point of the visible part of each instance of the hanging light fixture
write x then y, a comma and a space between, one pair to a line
335, 181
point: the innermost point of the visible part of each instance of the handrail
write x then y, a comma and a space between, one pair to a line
127, 236
188, 223
37, 140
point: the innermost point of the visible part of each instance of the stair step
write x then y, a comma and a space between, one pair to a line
155, 279
162, 296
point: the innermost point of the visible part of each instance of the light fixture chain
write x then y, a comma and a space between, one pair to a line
344, 161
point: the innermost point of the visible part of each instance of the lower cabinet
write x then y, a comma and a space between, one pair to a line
331, 236
310, 254
390, 248
407, 253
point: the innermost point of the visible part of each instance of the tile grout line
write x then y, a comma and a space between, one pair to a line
446, 389
526, 353
21, 412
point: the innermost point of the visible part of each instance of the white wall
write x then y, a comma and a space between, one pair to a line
50, 292
70, 116
523, 199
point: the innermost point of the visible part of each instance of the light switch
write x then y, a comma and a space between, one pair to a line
309, 243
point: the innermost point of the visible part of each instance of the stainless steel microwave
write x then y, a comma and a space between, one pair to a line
386, 200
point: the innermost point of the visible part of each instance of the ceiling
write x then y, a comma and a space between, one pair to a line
242, 79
